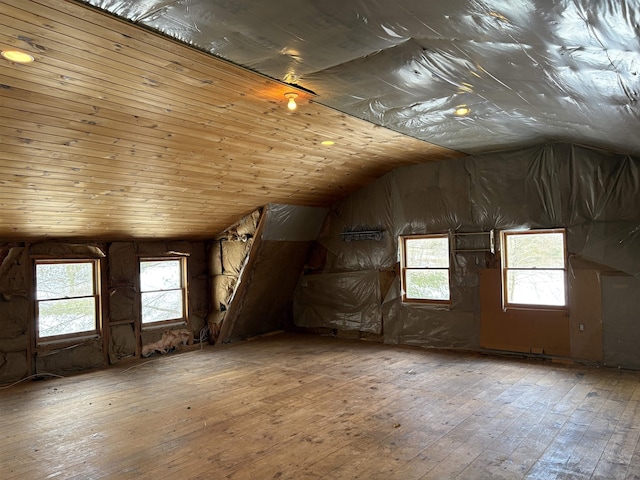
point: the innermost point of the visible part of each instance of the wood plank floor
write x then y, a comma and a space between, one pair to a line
309, 407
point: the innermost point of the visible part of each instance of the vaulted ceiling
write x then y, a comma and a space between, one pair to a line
525, 70
116, 132
171, 121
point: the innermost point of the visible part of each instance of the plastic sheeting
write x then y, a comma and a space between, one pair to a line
228, 256
16, 305
15, 270
620, 321
529, 71
594, 194
265, 303
276, 260
72, 358
14, 273
62, 250
293, 223
348, 301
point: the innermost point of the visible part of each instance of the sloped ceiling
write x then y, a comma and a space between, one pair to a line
116, 132
527, 70
166, 118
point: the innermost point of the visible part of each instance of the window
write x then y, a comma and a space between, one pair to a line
162, 289
67, 299
534, 268
425, 268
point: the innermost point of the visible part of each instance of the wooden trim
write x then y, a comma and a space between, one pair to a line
97, 298
121, 322
184, 287
233, 311
404, 268
105, 319
31, 323
505, 269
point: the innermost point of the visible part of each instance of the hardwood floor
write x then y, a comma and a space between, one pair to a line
309, 407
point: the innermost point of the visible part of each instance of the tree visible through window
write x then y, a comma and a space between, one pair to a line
67, 298
534, 265
162, 289
425, 268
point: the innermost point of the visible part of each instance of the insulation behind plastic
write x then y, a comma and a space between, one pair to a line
528, 71
594, 194
348, 301
275, 262
293, 223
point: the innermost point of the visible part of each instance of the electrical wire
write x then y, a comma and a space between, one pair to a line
136, 366
204, 335
35, 375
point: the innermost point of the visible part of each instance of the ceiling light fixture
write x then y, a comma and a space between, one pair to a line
327, 143
462, 111
16, 56
292, 105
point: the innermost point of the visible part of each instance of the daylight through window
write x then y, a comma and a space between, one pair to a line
425, 268
67, 298
162, 288
534, 268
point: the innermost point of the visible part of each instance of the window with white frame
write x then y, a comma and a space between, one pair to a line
425, 268
67, 299
534, 268
163, 292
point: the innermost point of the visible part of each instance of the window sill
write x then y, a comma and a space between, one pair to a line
427, 304
165, 324
536, 308
56, 343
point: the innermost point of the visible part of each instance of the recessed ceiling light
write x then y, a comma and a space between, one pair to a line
16, 56
462, 111
327, 142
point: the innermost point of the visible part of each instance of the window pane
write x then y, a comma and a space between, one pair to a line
60, 280
160, 306
541, 250
536, 287
160, 275
60, 317
427, 252
427, 284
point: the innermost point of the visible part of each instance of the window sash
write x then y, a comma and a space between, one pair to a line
88, 328
151, 315
548, 291
429, 292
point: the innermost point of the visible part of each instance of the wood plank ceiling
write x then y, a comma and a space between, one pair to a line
115, 132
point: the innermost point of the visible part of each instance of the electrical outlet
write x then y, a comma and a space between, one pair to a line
581, 327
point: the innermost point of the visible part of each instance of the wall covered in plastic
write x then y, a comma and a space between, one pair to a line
123, 309
594, 194
19, 356
275, 260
